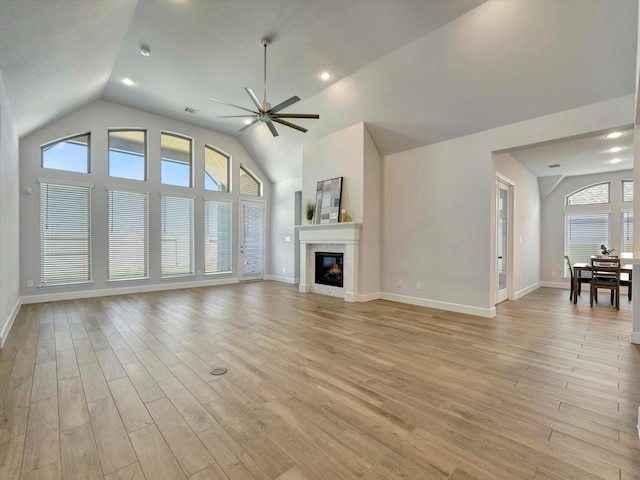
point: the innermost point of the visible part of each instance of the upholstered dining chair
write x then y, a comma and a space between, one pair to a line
605, 273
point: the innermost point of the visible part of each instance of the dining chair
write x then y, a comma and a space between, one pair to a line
605, 273
576, 280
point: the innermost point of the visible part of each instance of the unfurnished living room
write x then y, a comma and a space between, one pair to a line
319, 239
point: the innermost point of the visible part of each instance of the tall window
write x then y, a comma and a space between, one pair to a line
584, 233
175, 166
217, 236
128, 235
216, 169
627, 190
127, 154
249, 185
65, 234
626, 232
177, 236
70, 154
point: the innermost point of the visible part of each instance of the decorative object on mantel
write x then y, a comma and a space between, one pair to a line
344, 217
328, 198
606, 251
309, 208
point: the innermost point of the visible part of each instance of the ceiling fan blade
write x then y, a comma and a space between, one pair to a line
253, 98
289, 124
284, 104
233, 105
249, 125
296, 115
272, 127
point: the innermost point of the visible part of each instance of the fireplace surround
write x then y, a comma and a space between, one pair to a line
341, 238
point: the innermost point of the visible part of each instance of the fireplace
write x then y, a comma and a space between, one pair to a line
329, 268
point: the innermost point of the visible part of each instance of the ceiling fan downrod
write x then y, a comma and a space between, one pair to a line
265, 42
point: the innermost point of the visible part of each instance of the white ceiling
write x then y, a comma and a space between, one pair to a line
578, 156
416, 71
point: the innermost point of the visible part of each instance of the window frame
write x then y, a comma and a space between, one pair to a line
607, 183
255, 178
145, 149
89, 229
48, 145
229, 176
146, 234
191, 162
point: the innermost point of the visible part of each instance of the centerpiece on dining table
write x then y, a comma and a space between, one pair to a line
606, 252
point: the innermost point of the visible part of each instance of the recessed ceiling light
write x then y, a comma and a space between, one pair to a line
145, 51
615, 160
614, 135
325, 75
247, 121
615, 149
128, 82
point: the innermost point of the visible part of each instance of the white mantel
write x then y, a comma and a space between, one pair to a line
344, 234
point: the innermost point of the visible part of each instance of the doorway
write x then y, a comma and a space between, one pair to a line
503, 235
251, 240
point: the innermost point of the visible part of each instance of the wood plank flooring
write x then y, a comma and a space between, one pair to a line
120, 388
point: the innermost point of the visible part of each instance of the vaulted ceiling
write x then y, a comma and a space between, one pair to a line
416, 71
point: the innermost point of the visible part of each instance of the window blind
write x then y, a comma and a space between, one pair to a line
626, 232
584, 233
177, 236
217, 236
65, 234
128, 235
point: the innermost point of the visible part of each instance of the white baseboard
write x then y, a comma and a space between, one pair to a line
53, 297
525, 291
277, 278
451, 307
565, 285
9, 322
368, 297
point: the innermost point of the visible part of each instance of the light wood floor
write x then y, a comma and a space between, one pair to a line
317, 389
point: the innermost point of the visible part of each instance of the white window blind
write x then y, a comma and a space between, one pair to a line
583, 235
128, 235
65, 234
626, 232
217, 236
627, 190
177, 236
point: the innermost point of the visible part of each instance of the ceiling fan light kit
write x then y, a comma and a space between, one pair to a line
265, 113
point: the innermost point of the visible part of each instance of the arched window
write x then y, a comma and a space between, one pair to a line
216, 170
249, 185
70, 154
591, 195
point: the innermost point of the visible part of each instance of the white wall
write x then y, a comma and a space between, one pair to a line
98, 118
283, 252
9, 215
526, 225
439, 208
553, 211
337, 155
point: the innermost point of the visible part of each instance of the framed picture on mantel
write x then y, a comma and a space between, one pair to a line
328, 198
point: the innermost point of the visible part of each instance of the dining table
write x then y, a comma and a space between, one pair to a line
579, 268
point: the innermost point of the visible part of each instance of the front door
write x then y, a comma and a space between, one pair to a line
251, 240
502, 240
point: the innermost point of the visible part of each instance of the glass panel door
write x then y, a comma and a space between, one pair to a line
502, 240
251, 241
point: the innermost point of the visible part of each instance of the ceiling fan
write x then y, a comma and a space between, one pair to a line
265, 112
